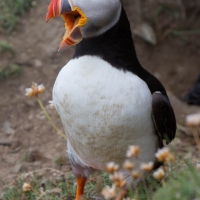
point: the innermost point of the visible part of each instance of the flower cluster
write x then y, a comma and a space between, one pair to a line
133, 151
162, 155
136, 175
35, 90
118, 179
159, 174
128, 165
109, 192
193, 120
146, 167
26, 187
111, 167
51, 104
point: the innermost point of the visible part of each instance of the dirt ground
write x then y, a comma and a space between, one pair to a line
32, 142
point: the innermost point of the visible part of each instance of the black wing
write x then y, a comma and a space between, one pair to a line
163, 116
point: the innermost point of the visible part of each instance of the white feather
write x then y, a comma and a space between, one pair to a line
101, 15
103, 110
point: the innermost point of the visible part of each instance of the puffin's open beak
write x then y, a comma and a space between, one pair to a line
74, 19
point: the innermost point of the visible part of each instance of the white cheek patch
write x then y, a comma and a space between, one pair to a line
71, 4
101, 14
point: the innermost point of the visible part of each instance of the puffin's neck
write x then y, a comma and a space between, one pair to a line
114, 46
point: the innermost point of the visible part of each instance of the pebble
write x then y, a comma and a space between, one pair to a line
8, 129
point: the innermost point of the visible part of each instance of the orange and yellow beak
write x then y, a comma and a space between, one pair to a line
74, 19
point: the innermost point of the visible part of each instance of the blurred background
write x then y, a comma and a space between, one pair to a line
166, 35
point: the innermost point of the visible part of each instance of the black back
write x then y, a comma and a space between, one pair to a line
117, 48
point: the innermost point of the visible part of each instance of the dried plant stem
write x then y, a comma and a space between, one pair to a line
50, 120
136, 188
122, 194
137, 180
145, 187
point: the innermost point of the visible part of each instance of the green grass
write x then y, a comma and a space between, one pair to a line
67, 188
16, 192
187, 32
184, 185
180, 183
10, 10
13, 70
5, 47
162, 9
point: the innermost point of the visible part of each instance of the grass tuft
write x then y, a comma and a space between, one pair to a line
162, 9
10, 12
13, 70
181, 182
183, 185
5, 47
54, 189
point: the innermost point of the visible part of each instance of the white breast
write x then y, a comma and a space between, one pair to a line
103, 110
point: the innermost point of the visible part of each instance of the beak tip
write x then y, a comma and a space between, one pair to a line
47, 17
62, 45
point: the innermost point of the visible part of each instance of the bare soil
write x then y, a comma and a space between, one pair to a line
31, 142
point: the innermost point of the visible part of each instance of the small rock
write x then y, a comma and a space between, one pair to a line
146, 32
37, 63
56, 191
157, 75
22, 89
34, 3
16, 169
15, 146
7, 128
28, 127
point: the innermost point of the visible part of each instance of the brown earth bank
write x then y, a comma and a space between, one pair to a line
29, 140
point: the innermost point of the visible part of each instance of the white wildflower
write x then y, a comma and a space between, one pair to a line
27, 187
34, 90
128, 165
118, 179
111, 167
159, 174
133, 151
109, 192
147, 167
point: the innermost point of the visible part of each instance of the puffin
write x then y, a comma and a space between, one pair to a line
105, 99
